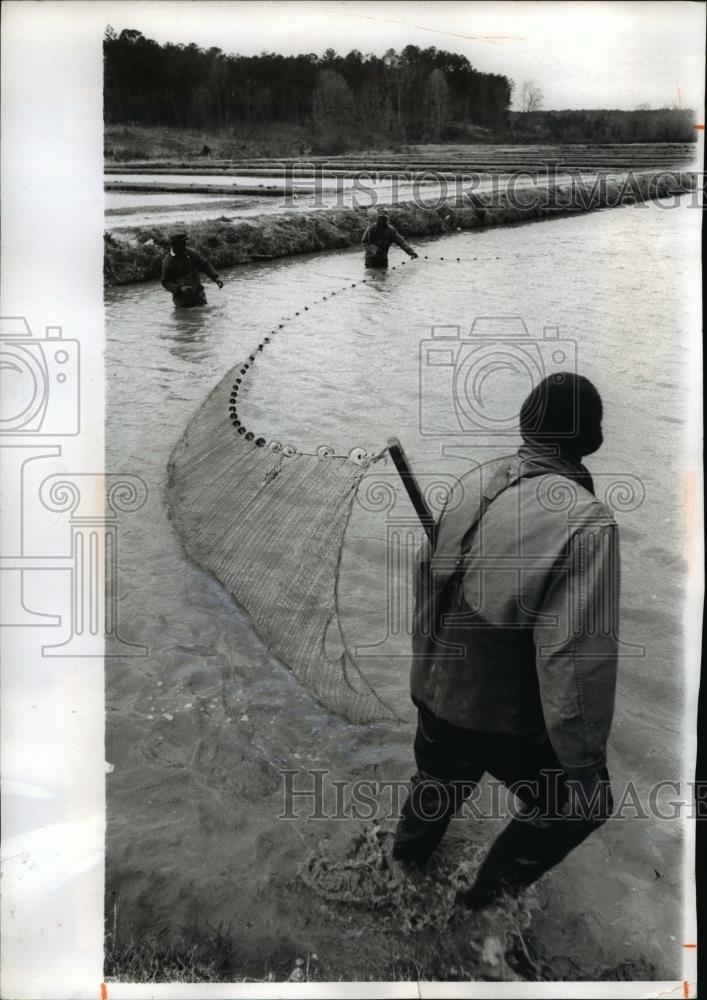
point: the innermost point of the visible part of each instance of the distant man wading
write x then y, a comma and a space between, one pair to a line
181, 269
378, 238
515, 648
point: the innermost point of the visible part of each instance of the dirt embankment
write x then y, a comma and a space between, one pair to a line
135, 255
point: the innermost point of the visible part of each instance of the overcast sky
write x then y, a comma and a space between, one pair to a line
582, 55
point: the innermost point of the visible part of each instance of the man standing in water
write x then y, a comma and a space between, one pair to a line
181, 268
378, 237
515, 649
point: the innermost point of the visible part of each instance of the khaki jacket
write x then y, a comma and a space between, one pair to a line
516, 619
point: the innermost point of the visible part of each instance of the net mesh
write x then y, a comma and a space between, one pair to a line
270, 527
269, 524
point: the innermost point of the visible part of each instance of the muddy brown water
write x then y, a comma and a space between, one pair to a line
199, 730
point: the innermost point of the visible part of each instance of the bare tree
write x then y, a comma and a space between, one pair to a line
531, 96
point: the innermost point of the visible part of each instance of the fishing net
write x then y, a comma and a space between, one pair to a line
269, 524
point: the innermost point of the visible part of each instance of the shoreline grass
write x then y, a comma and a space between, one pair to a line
213, 957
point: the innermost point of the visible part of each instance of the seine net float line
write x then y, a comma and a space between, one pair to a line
323, 451
268, 521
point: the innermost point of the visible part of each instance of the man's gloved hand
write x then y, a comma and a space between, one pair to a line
413, 255
590, 797
219, 283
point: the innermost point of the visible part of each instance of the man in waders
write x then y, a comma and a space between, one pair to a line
515, 648
378, 238
181, 268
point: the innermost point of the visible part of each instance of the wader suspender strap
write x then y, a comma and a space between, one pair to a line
457, 575
470, 535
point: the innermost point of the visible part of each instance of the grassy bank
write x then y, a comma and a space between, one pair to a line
594, 128
212, 956
135, 255
139, 142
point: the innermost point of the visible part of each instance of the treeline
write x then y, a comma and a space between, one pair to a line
642, 125
412, 95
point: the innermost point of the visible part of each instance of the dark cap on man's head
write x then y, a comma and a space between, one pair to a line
177, 238
564, 409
